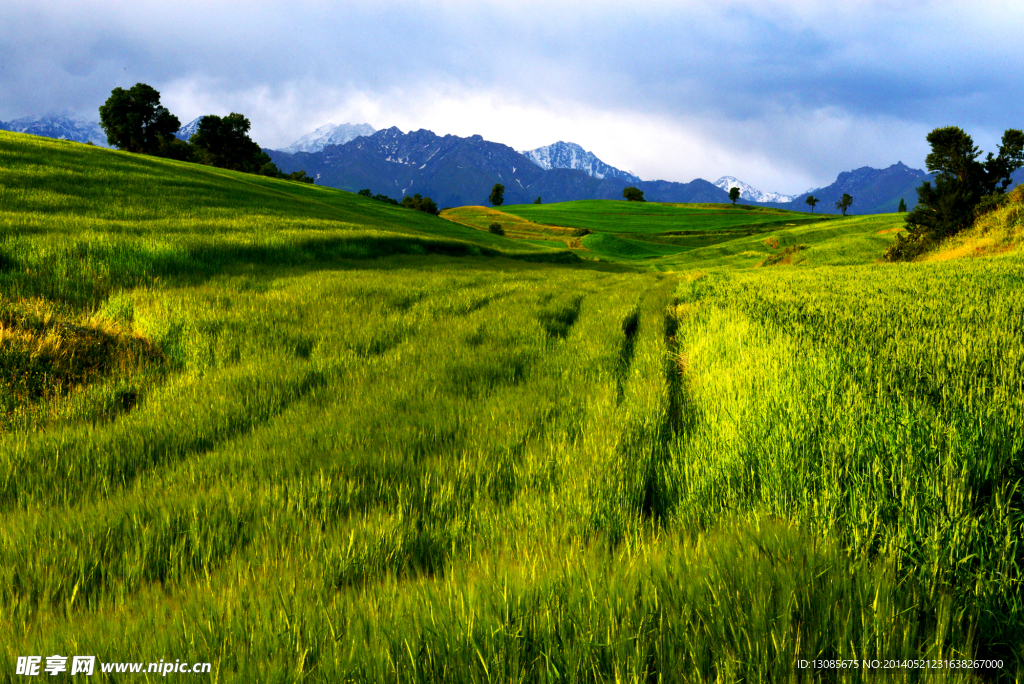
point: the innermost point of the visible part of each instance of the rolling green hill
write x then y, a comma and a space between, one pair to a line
303, 436
615, 216
102, 219
674, 236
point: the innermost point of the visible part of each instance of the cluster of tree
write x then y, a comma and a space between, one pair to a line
420, 203
964, 188
365, 192
135, 121
417, 202
633, 194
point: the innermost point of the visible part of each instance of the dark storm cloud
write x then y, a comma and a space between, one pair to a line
813, 86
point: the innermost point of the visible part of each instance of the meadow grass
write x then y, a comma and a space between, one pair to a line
996, 232
314, 463
481, 218
669, 235
657, 217
849, 241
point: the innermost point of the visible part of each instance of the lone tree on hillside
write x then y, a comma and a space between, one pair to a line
497, 194
963, 187
135, 121
734, 194
902, 208
633, 194
811, 201
844, 203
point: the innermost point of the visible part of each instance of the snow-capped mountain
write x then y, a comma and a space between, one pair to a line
750, 193
331, 134
189, 129
59, 126
563, 155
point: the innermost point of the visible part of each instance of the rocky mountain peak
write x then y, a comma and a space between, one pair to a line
568, 155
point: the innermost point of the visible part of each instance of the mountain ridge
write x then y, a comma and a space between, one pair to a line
563, 155
60, 127
329, 134
751, 193
456, 171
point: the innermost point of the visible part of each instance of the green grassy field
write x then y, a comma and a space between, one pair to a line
655, 218
306, 436
673, 236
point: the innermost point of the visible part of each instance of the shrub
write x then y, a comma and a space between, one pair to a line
496, 229
420, 203
633, 194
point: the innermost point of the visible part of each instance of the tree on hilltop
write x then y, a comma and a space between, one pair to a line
633, 194
224, 142
964, 186
135, 121
902, 208
734, 194
844, 203
497, 194
537, 201
811, 201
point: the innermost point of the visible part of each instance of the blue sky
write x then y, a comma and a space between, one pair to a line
783, 95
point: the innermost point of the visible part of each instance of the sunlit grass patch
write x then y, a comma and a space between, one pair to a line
997, 232
46, 356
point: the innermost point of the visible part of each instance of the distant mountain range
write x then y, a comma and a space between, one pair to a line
457, 171
563, 155
874, 191
59, 126
748, 192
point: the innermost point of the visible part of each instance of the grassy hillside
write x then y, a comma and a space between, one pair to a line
304, 436
481, 218
673, 236
655, 218
73, 211
849, 241
996, 232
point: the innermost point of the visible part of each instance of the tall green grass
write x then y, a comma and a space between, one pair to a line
449, 466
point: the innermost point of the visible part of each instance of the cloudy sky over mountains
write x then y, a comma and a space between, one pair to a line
784, 95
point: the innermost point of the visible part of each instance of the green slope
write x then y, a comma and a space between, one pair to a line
225, 439
615, 216
675, 236
80, 221
842, 242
